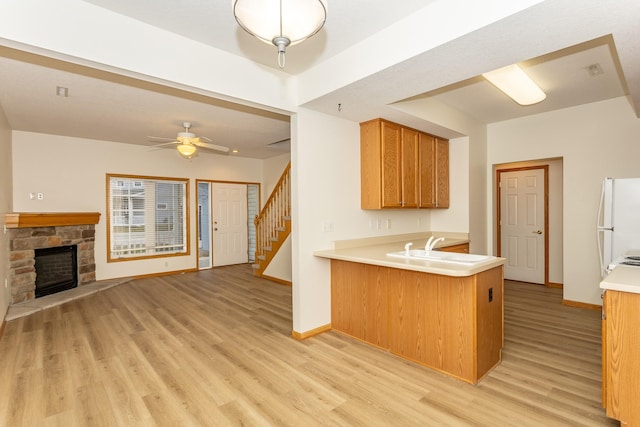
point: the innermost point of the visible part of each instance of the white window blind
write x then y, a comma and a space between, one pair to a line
147, 216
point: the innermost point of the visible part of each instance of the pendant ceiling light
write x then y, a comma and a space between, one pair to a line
281, 22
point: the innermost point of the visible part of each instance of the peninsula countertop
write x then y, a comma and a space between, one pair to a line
374, 251
623, 278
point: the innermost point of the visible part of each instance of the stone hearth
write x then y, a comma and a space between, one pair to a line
30, 231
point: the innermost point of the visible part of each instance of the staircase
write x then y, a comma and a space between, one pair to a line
273, 224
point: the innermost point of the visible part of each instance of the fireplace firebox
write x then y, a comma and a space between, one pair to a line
56, 269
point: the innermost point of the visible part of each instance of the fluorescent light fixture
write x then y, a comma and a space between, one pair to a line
516, 84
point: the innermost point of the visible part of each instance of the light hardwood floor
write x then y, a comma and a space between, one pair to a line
213, 348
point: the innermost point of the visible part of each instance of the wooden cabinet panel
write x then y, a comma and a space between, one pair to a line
401, 167
446, 323
490, 291
427, 161
434, 172
370, 169
392, 161
409, 175
463, 248
622, 341
442, 173
362, 296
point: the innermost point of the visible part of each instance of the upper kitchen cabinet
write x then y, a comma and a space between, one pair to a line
434, 171
401, 167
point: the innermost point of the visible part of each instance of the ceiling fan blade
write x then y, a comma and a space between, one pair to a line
205, 138
287, 140
167, 143
212, 146
159, 138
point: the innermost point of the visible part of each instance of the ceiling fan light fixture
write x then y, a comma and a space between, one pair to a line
280, 22
186, 150
516, 84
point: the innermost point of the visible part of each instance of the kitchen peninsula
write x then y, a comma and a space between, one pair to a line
444, 315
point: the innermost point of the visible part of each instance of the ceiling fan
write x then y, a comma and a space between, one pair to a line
188, 143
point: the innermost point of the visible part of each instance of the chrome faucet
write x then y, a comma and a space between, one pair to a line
431, 243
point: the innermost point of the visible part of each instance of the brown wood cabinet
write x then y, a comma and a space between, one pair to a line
401, 167
434, 171
462, 248
450, 324
621, 356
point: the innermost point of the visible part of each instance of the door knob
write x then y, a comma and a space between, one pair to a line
215, 229
537, 232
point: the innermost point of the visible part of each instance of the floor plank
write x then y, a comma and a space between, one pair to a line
213, 348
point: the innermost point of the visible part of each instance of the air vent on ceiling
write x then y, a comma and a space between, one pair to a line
594, 70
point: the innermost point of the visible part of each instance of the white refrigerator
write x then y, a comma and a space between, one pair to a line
619, 222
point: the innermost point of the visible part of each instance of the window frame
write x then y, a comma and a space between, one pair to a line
136, 181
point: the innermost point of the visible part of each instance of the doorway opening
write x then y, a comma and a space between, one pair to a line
528, 220
225, 227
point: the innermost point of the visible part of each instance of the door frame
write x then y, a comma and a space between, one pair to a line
217, 181
499, 173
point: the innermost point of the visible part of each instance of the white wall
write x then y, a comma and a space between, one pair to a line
5, 207
71, 173
595, 141
272, 171
280, 265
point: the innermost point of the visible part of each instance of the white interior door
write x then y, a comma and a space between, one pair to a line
230, 240
522, 224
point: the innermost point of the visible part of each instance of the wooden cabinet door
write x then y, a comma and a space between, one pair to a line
391, 148
622, 356
426, 171
442, 173
604, 349
409, 175
401, 167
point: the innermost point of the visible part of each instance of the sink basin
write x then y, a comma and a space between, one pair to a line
452, 257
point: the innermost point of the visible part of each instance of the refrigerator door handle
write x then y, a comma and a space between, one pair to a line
600, 229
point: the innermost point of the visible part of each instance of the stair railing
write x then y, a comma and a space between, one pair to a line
276, 210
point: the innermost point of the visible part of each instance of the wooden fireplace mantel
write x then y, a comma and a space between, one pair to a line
32, 220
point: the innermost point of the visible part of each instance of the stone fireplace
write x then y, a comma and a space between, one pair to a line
30, 231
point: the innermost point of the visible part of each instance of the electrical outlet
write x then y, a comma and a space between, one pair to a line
490, 294
387, 223
40, 196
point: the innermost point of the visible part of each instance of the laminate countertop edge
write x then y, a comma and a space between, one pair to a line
377, 255
624, 279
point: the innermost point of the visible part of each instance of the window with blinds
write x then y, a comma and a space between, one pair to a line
147, 217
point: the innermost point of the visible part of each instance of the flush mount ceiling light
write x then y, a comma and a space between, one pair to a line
516, 84
280, 22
